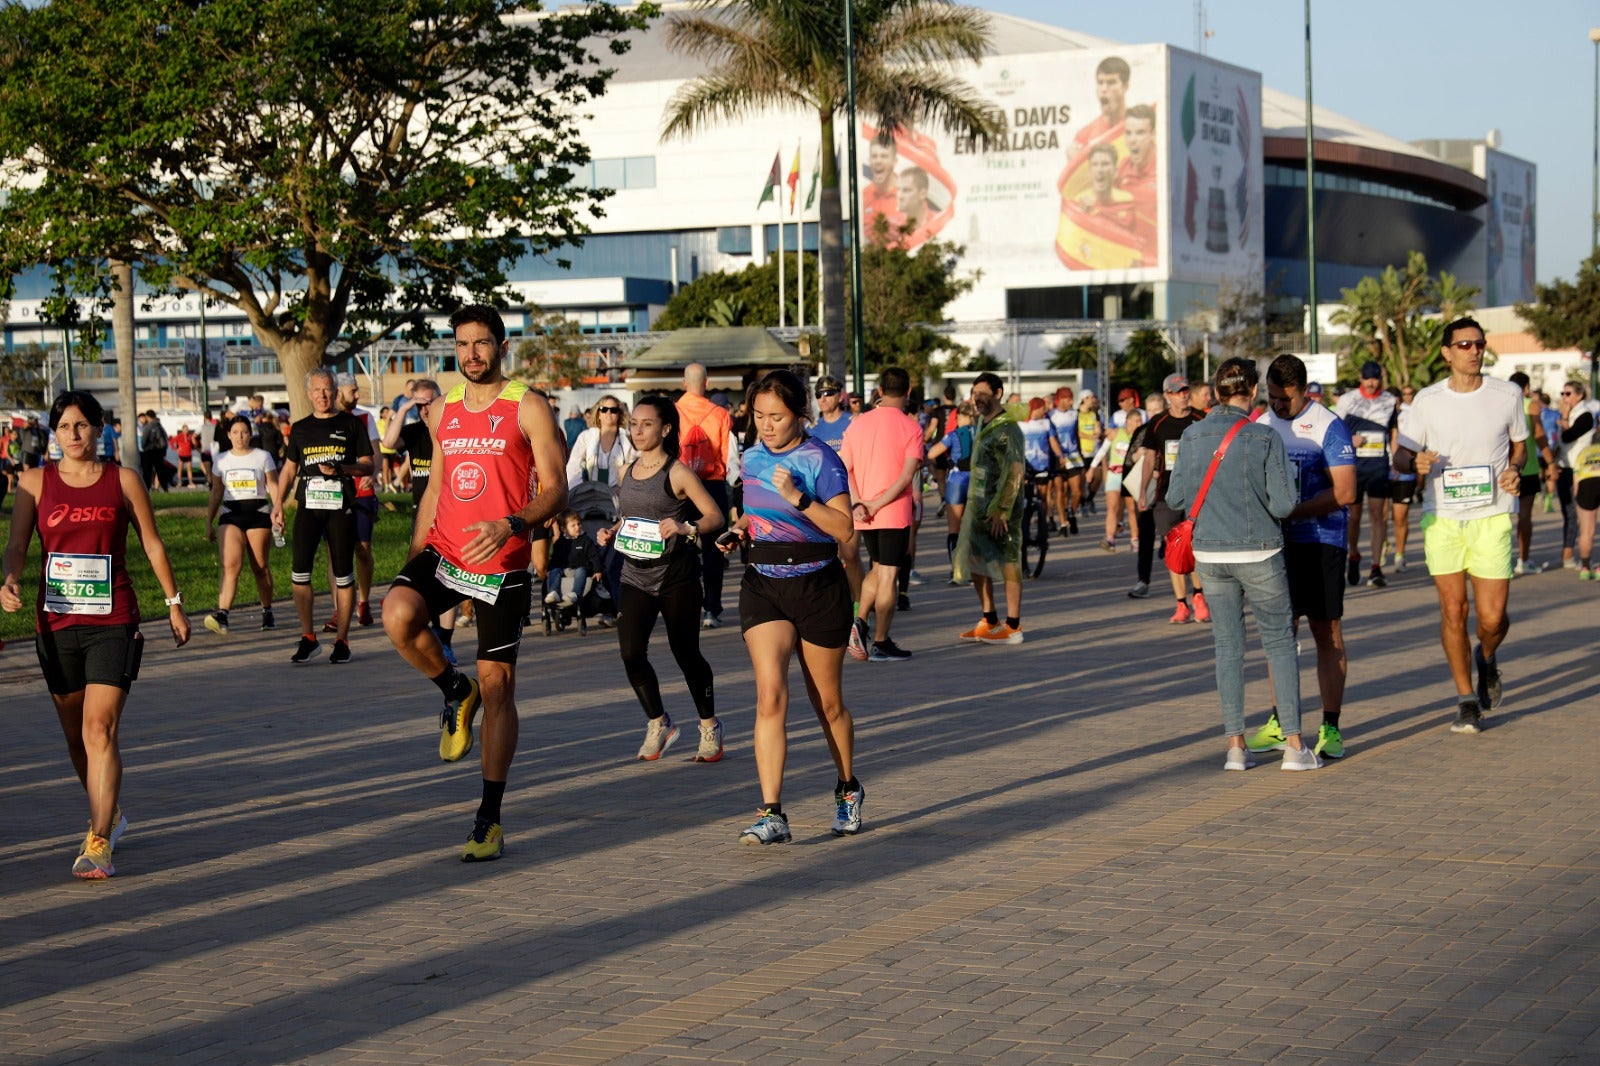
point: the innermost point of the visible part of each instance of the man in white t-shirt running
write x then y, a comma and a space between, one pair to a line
1466, 437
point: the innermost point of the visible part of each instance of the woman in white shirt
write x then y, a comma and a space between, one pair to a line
600, 452
242, 487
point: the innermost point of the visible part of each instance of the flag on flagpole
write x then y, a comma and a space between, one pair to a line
774, 178
816, 178
794, 178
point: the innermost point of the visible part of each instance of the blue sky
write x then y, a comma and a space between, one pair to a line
1411, 68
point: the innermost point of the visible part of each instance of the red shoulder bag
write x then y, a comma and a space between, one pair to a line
1180, 547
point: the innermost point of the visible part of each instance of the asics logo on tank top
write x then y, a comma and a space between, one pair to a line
67, 513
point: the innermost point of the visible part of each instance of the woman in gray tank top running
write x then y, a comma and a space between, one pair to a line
661, 574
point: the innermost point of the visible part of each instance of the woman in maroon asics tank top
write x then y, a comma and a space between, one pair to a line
87, 615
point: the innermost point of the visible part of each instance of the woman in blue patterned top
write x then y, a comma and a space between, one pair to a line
795, 595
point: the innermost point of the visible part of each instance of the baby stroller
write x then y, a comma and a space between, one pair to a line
597, 509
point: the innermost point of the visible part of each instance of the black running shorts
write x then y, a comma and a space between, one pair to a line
1405, 492
1316, 581
1372, 479
499, 623
1166, 517
1587, 495
887, 547
245, 517
78, 656
816, 604
366, 514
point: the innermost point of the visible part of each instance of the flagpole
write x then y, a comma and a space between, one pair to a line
800, 256
781, 294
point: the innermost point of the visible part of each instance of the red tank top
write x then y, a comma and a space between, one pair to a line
83, 533
485, 468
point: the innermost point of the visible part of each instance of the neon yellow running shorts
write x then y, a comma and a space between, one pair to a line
1483, 547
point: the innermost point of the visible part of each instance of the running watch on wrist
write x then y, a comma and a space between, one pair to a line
518, 526
175, 601
804, 502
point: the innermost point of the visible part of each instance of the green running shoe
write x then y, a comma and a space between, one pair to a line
1268, 738
1330, 745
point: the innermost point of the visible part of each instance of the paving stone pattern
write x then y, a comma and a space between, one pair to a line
1055, 868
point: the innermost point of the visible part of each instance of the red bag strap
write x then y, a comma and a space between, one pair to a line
1222, 449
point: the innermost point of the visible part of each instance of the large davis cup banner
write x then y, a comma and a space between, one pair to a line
1510, 227
1216, 182
1078, 189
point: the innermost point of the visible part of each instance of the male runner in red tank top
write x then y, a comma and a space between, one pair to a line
499, 469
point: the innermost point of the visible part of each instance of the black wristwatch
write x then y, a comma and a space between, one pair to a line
518, 526
805, 501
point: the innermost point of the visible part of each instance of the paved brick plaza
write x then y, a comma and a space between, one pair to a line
1055, 867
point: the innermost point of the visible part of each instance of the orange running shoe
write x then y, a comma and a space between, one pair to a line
1002, 634
978, 631
1181, 615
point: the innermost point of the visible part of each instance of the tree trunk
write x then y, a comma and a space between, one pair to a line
831, 254
298, 357
122, 328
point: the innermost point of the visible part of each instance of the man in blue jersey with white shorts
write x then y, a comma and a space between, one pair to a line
1322, 465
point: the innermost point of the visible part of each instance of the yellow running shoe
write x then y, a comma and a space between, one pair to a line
455, 725
119, 825
486, 842
1268, 738
95, 862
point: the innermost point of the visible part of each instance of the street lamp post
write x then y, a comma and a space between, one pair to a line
1594, 172
1594, 200
857, 356
1311, 203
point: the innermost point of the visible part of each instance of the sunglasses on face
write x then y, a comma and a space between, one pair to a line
1467, 346
827, 392
609, 410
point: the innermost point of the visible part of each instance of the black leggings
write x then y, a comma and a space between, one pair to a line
310, 528
1145, 522
678, 603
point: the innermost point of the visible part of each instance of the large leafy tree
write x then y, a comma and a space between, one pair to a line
774, 55
335, 174
1397, 318
1566, 314
904, 294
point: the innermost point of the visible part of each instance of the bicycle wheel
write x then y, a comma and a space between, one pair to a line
1035, 538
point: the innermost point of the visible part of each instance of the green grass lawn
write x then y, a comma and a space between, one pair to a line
181, 518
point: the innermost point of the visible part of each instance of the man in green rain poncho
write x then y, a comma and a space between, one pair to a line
990, 546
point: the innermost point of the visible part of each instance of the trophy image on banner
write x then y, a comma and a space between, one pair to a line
1216, 215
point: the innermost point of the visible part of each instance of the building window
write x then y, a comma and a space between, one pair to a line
639, 172
733, 240
608, 173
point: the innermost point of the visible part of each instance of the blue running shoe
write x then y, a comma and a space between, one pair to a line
769, 828
847, 810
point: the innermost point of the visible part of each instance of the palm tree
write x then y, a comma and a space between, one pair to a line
765, 55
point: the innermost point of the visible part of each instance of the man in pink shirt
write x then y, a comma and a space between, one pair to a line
882, 450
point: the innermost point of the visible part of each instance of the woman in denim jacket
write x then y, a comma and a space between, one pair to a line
1238, 550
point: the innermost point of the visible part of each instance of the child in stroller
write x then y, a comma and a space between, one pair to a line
575, 582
